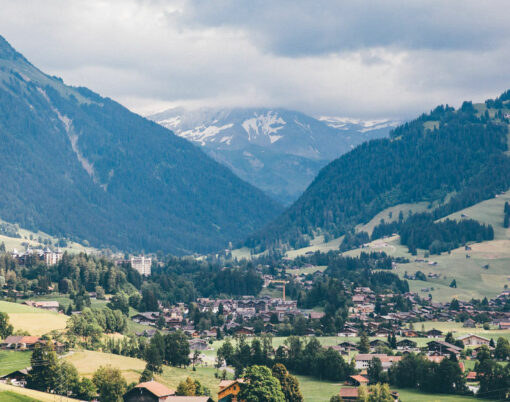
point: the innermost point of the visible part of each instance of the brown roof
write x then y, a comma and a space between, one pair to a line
188, 398
471, 375
359, 378
156, 388
348, 392
21, 339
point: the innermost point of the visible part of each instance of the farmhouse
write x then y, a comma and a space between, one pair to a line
351, 394
150, 391
434, 333
474, 340
17, 378
406, 344
20, 342
443, 348
357, 380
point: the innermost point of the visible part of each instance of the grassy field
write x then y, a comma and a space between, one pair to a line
11, 361
29, 394
8, 396
33, 320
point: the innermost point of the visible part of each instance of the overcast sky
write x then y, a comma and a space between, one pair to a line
367, 59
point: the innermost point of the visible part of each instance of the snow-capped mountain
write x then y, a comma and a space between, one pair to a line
277, 150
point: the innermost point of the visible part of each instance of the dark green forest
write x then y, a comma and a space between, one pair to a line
461, 152
77, 165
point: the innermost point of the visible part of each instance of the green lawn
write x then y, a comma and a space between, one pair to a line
8, 396
11, 361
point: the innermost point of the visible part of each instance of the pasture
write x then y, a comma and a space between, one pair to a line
12, 360
33, 320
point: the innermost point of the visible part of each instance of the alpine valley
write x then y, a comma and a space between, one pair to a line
279, 151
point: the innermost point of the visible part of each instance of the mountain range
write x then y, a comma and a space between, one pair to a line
279, 151
82, 166
448, 157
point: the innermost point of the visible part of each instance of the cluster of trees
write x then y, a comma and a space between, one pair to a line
171, 349
189, 387
506, 219
93, 323
300, 355
421, 231
48, 373
415, 371
462, 153
6, 328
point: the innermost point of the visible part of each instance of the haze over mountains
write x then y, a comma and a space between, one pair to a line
82, 166
279, 151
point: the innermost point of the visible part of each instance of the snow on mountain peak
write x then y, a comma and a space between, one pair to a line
266, 124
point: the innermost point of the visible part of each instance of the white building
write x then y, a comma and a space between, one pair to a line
142, 265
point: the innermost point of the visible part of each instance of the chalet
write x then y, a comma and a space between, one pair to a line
443, 348
383, 332
434, 333
376, 343
20, 342
147, 318
469, 323
198, 344
406, 344
409, 333
473, 340
504, 325
17, 378
229, 390
362, 360
357, 380
347, 332
150, 391
348, 345
248, 331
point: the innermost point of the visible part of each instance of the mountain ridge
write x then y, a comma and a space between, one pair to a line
85, 167
277, 150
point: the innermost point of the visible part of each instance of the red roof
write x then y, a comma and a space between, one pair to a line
471, 375
348, 392
156, 388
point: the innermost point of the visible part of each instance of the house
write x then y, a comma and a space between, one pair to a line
45, 305
471, 376
469, 323
248, 331
346, 332
357, 380
198, 344
147, 318
473, 340
504, 325
17, 378
20, 342
229, 390
434, 333
443, 347
406, 344
362, 360
378, 343
142, 265
409, 333
150, 391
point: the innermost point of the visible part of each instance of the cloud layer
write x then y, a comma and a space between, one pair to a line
351, 58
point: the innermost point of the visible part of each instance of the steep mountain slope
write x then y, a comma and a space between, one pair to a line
83, 166
280, 151
463, 152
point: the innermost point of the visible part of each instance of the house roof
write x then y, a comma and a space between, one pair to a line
471, 375
348, 392
21, 339
188, 398
359, 378
156, 388
472, 336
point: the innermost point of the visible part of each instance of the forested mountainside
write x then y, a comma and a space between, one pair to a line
277, 150
461, 152
78, 165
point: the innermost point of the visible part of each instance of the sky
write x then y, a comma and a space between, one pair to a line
362, 59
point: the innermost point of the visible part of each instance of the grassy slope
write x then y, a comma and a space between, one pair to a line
31, 394
11, 361
15, 243
35, 321
8, 396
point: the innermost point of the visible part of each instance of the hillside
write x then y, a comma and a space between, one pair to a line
78, 165
458, 153
279, 151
